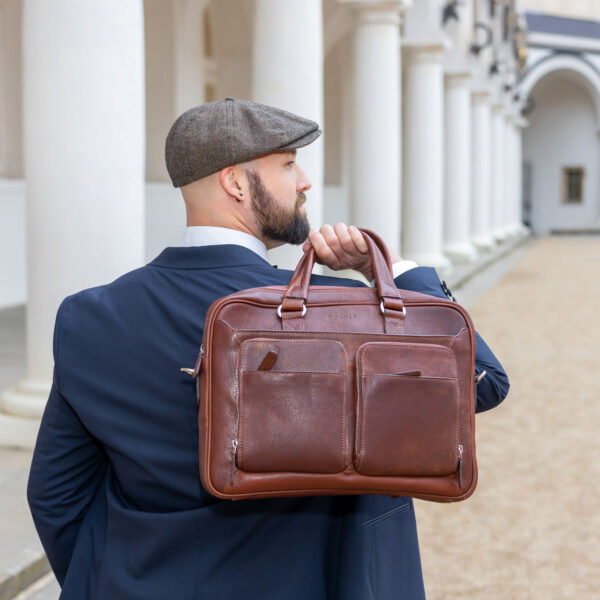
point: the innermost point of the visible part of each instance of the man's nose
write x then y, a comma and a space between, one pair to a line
303, 184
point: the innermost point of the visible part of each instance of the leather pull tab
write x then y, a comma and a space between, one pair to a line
411, 373
268, 361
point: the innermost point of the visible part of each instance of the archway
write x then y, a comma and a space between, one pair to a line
561, 147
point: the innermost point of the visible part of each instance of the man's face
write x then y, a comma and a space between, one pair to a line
277, 196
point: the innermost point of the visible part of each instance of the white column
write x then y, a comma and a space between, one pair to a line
509, 217
457, 208
375, 115
288, 74
498, 172
188, 60
84, 125
481, 171
423, 163
518, 165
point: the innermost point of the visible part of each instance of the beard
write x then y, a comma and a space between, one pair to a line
274, 222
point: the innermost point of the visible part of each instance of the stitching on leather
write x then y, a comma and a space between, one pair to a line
342, 404
436, 346
355, 333
360, 389
338, 345
455, 371
408, 378
268, 372
241, 364
456, 402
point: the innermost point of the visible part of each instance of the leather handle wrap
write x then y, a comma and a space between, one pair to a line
382, 268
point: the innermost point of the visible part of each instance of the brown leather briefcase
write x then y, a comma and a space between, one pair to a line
312, 390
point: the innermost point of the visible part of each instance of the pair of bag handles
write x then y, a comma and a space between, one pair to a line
294, 298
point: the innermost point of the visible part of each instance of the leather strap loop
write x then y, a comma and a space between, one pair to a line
294, 297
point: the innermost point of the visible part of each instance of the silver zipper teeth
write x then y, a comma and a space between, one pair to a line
234, 445
358, 400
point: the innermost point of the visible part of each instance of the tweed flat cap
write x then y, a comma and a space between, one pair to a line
210, 137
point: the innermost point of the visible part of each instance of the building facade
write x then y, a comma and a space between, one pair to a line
561, 95
421, 104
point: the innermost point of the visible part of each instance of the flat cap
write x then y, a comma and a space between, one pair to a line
210, 137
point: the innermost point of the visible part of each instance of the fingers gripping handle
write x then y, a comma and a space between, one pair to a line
296, 293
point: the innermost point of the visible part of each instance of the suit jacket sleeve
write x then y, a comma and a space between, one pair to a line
493, 388
66, 470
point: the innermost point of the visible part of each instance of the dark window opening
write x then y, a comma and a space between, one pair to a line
572, 188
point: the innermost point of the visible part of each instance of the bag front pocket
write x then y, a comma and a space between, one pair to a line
407, 410
292, 406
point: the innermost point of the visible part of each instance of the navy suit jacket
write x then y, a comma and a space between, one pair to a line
114, 487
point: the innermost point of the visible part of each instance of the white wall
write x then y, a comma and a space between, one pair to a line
165, 222
562, 132
165, 218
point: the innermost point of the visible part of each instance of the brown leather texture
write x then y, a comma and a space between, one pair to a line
325, 390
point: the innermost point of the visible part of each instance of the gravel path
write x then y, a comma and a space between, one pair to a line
532, 528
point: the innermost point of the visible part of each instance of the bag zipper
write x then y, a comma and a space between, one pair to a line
460, 464
234, 445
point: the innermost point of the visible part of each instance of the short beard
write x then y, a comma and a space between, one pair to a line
272, 218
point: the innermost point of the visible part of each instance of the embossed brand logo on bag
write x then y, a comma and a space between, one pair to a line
334, 317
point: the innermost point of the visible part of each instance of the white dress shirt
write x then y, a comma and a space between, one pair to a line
208, 235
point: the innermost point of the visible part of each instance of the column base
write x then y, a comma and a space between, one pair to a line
460, 252
18, 432
27, 399
519, 230
499, 235
512, 231
484, 242
21, 409
431, 259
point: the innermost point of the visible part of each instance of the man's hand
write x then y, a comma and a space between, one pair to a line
342, 247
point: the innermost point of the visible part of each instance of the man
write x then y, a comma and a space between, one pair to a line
114, 487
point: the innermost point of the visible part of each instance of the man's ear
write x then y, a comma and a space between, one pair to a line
230, 179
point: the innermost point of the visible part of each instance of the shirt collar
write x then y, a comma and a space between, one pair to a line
208, 235
207, 257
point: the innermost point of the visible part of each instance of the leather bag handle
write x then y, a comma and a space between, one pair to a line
293, 308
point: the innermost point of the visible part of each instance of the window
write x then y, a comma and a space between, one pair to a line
572, 186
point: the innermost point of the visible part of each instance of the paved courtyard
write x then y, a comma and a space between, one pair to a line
532, 528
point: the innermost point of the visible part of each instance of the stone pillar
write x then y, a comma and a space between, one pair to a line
375, 116
188, 57
499, 187
84, 127
481, 171
457, 208
510, 167
520, 123
423, 164
288, 74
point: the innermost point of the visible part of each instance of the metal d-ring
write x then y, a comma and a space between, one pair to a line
279, 310
383, 309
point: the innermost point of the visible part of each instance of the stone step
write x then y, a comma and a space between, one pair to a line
22, 559
45, 588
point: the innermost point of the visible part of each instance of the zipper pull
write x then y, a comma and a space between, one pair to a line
460, 463
198, 364
196, 370
234, 445
479, 377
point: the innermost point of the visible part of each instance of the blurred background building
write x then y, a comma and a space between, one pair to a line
452, 127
